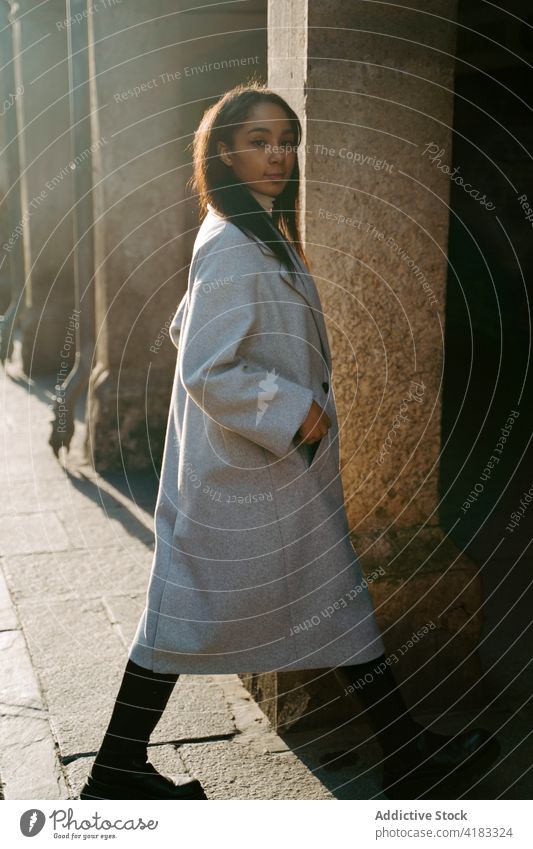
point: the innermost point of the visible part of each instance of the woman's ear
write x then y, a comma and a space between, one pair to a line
223, 152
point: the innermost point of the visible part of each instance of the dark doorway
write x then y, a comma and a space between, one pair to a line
487, 455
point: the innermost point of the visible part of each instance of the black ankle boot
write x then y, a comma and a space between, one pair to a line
432, 765
136, 778
415, 758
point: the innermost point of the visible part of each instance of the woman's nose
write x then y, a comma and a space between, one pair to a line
276, 153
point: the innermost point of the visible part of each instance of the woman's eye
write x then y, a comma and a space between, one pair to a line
284, 147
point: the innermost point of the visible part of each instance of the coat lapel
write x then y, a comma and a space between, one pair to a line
303, 283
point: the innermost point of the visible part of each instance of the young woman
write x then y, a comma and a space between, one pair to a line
253, 567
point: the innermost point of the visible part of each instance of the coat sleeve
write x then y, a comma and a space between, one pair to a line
219, 358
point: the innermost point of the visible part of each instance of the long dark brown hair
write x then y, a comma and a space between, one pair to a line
217, 184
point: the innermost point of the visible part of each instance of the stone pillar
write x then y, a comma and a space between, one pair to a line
41, 73
375, 92
153, 78
12, 261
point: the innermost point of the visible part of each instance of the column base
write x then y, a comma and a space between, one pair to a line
126, 428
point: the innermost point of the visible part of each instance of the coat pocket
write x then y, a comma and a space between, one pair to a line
313, 453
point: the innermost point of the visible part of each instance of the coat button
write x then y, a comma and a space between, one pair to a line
325, 387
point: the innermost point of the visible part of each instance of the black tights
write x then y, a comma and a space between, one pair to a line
141, 699
373, 684
143, 696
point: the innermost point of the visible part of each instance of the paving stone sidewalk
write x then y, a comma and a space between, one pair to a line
75, 555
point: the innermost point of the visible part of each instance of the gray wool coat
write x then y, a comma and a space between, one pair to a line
253, 567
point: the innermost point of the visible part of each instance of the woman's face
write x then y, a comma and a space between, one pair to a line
263, 153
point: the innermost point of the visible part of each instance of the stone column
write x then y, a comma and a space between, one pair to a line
12, 256
375, 93
45, 227
154, 75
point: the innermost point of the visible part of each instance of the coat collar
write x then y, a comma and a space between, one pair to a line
302, 282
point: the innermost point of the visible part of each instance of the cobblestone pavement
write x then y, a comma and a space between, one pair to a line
75, 554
